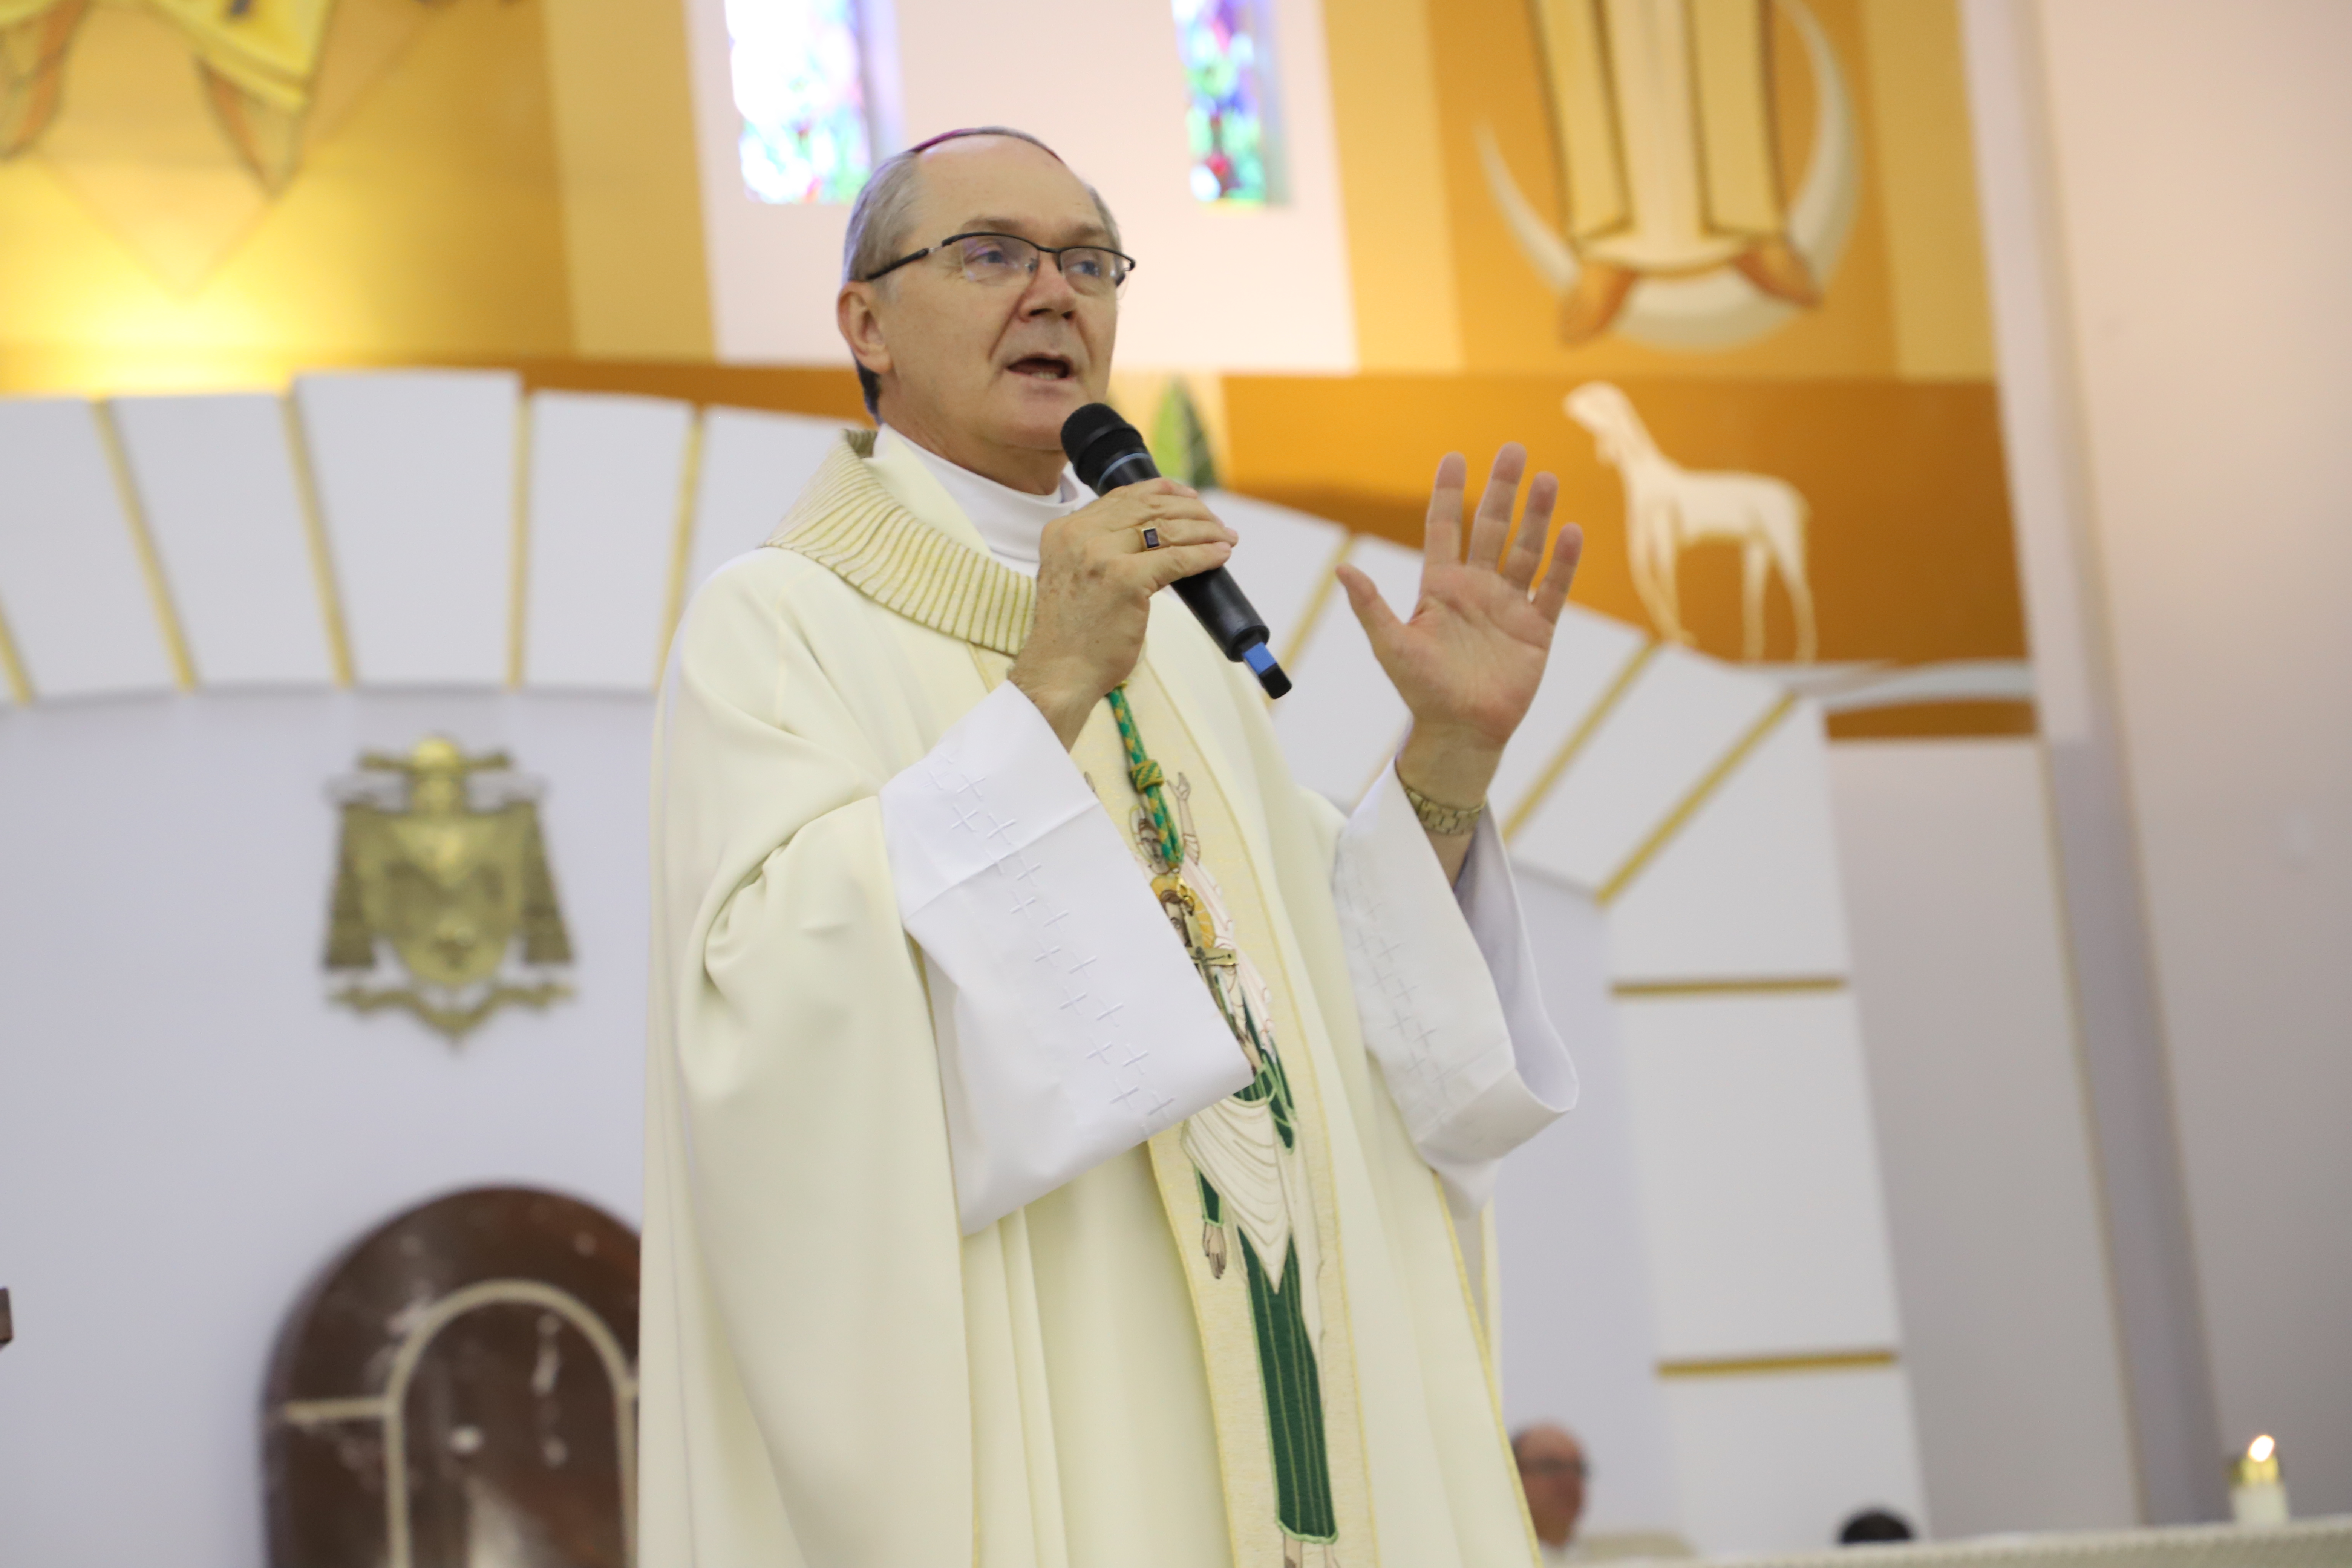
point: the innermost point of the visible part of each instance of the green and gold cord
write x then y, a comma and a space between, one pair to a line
1145, 775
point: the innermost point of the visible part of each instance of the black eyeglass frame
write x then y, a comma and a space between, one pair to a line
1055, 251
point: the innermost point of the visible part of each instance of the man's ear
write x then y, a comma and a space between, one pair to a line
861, 328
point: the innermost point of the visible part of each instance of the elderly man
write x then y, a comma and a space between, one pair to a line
1068, 1140
1552, 1473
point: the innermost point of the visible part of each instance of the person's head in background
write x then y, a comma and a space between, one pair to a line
1551, 1472
1874, 1524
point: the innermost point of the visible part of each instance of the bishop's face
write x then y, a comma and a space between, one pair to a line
984, 374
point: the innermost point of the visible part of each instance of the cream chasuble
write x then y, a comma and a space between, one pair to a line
1254, 1326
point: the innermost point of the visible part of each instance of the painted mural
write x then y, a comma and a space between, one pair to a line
1716, 263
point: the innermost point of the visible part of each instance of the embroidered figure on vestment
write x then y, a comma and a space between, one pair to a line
1246, 1156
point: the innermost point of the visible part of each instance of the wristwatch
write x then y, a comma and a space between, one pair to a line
1445, 821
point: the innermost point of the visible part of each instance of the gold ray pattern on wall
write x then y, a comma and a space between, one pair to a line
175, 124
470, 180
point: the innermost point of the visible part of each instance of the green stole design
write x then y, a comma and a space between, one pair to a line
1288, 1369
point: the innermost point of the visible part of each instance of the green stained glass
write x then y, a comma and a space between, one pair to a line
1225, 66
799, 73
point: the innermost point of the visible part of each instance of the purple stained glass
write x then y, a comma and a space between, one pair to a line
1226, 111
798, 72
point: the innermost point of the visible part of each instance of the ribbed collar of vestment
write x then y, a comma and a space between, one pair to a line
849, 523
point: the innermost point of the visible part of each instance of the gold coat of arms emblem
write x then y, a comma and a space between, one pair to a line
443, 904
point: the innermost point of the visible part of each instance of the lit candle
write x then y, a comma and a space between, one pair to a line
2257, 1495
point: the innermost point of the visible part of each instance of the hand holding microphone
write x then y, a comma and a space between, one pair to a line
1095, 583
1108, 454
1096, 575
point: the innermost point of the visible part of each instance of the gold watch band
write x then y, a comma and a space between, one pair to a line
1445, 821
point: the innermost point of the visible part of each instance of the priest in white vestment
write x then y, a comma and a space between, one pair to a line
1069, 1140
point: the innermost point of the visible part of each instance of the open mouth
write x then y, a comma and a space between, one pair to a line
1043, 367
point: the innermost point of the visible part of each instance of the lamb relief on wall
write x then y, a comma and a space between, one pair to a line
1669, 509
443, 906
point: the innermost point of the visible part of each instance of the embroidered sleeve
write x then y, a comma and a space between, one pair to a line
1071, 1027
1446, 987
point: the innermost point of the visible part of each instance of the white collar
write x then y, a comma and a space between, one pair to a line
1009, 521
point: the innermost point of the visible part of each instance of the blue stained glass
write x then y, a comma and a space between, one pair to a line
1225, 110
799, 84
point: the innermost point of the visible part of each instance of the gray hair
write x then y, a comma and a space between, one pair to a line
879, 221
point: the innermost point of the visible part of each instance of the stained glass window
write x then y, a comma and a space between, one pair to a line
799, 84
1225, 113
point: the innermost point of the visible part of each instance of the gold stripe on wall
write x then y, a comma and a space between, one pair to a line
12, 667
518, 553
1751, 1366
1688, 807
1294, 646
1774, 985
322, 555
151, 565
682, 539
1569, 749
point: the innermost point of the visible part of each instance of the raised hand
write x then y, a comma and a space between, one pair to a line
1468, 660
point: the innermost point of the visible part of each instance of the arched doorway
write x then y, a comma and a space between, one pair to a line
458, 1391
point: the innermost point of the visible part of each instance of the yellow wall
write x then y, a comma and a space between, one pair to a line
631, 206
518, 185
522, 182
1385, 120
1911, 552
517, 181
1925, 177
1440, 288
1489, 69
1878, 404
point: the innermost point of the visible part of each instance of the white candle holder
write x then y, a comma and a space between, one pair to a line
2257, 1490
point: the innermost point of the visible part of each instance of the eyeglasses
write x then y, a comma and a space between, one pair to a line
999, 259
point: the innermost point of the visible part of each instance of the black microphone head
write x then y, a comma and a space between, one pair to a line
1106, 451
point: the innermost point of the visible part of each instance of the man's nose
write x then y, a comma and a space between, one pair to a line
1049, 292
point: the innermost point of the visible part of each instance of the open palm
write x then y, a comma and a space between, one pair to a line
1468, 660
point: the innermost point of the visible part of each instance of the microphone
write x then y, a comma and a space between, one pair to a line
1107, 452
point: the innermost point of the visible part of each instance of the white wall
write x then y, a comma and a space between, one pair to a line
1969, 1024
2202, 154
188, 1131
1578, 1343
1218, 288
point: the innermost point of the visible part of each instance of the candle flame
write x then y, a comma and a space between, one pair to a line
2260, 1449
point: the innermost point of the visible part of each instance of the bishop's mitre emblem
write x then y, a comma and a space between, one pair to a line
442, 904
